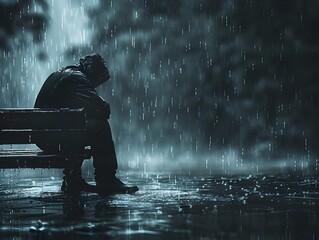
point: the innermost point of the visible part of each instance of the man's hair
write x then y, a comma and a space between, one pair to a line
93, 66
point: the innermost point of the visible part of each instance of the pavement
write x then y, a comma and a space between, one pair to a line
167, 206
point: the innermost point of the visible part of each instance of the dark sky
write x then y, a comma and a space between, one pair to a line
193, 82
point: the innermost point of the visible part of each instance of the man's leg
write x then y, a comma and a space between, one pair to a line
104, 158
73, 182
72, 177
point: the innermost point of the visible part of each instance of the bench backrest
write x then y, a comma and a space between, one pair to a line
26, 126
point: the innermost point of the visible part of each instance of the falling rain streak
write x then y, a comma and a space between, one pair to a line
193, 83
214, 114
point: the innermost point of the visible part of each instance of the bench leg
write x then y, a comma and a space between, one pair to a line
72, 176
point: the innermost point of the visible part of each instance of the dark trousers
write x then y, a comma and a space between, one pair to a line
103, 151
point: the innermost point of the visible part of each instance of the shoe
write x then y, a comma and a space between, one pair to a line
77, 187
114, 186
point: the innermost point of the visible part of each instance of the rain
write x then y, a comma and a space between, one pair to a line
213, 114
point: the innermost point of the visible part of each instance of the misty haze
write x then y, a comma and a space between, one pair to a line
214, 108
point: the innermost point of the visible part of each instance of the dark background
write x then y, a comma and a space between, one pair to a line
202, 84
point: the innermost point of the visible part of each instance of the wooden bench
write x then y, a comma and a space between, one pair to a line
30, 126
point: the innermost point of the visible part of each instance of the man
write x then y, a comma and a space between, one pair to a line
74, 87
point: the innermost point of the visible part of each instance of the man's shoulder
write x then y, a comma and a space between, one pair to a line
72, 74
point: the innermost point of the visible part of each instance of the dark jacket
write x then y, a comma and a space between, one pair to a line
70, 88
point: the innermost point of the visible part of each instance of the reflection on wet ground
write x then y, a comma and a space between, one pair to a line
166, 207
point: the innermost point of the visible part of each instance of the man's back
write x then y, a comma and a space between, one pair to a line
45, 96
69, 88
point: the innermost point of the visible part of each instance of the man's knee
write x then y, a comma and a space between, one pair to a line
98, 129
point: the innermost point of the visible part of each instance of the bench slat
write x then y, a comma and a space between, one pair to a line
56, 126
38, 159
28, 136
42, 118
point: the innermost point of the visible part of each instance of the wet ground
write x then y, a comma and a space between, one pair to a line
168, 206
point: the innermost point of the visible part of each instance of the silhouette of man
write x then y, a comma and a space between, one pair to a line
74, 87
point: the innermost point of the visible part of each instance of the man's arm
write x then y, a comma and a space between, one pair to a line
80, 93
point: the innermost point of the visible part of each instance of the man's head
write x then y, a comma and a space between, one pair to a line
93, 66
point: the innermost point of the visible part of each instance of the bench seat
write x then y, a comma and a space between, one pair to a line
32, 125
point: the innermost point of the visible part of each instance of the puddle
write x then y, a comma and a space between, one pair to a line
178, 207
